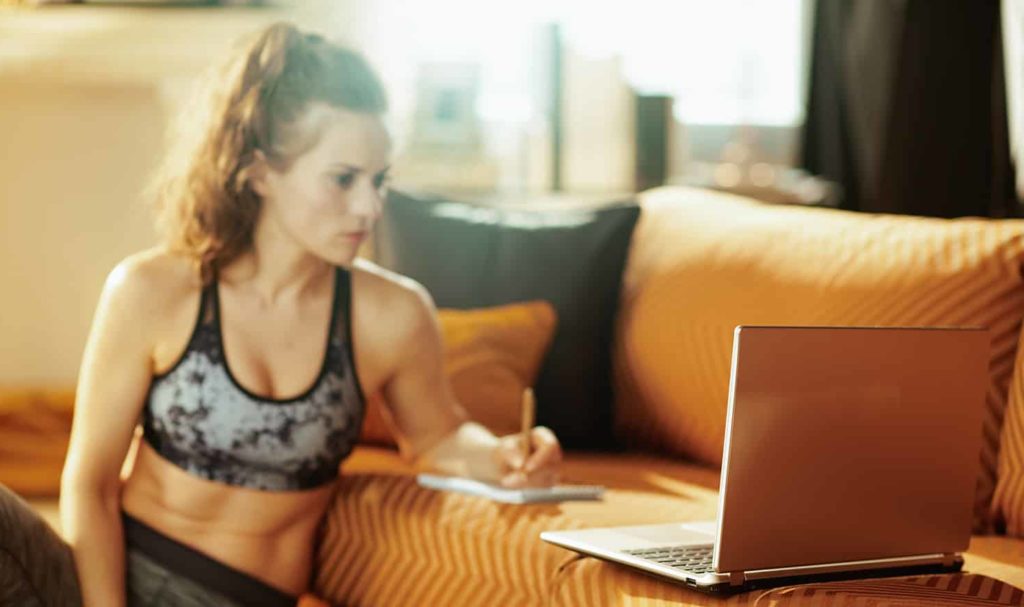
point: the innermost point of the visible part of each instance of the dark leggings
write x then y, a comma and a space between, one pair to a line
37, 568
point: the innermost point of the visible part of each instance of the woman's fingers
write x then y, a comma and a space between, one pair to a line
514, 480
546, 450
540, 469
510, 454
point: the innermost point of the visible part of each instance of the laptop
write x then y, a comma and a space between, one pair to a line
849, 452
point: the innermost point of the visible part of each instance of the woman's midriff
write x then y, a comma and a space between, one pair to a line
268, 535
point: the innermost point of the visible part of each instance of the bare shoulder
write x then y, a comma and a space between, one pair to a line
394, 310
152, 281
387, 290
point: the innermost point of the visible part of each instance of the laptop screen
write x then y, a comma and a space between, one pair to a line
848, 444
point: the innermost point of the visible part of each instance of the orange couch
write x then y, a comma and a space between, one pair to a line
700, 264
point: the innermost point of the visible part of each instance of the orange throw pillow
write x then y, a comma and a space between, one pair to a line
490, 356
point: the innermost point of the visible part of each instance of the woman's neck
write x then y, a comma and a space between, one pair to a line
276, 270
274, 282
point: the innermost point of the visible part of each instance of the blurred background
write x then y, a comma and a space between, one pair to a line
897, 106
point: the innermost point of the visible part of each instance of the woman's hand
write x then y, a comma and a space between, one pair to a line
436, 430
541, 469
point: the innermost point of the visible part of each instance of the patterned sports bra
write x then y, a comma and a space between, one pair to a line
199, 417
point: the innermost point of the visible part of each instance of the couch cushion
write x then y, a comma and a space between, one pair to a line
471, 256
588, 581
704, 262
34, 427
997, 556
386, 540
1008, 502
490, 356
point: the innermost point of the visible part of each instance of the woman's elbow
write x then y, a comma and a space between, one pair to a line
79, 485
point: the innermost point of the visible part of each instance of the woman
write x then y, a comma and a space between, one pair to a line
212, 338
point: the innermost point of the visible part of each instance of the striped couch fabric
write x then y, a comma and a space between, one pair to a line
591, 582
1008, 502
386, 541
704, 262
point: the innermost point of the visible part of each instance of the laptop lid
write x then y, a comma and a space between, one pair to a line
849, 444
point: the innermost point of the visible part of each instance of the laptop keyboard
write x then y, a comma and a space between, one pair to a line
695, 559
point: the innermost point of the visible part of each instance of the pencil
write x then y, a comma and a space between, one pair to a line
529, 410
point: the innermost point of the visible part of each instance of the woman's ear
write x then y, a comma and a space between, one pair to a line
257, 172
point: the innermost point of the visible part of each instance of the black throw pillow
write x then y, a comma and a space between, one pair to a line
472, 256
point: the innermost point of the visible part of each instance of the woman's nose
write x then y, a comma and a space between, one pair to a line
366, 201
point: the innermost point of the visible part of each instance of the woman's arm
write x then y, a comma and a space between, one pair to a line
113, 380
435, 428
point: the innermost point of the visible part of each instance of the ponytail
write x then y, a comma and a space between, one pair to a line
206, 207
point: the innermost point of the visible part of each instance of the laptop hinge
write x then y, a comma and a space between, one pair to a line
948, 559
736, 578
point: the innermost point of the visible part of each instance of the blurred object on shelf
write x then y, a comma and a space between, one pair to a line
138, 3
175, 3
772, 183
36, 2
446, 151
446, 120
447, 175
653, 131
741, 170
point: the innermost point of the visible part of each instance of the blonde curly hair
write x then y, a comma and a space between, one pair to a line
204, 203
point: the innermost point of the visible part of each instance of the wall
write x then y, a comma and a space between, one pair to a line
85, 97
74, 159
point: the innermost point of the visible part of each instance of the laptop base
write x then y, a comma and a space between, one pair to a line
726, 589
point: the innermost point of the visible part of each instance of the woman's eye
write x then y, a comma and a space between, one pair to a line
345, 180
381, 181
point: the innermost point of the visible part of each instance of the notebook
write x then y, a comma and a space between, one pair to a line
497, 493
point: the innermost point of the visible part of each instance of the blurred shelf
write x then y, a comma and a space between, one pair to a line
107, 44
765, 182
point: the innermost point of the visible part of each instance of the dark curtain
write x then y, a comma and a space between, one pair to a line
907, 107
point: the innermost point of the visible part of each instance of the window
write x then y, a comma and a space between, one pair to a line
726, 64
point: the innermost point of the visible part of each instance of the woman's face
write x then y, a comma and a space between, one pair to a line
328, 199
